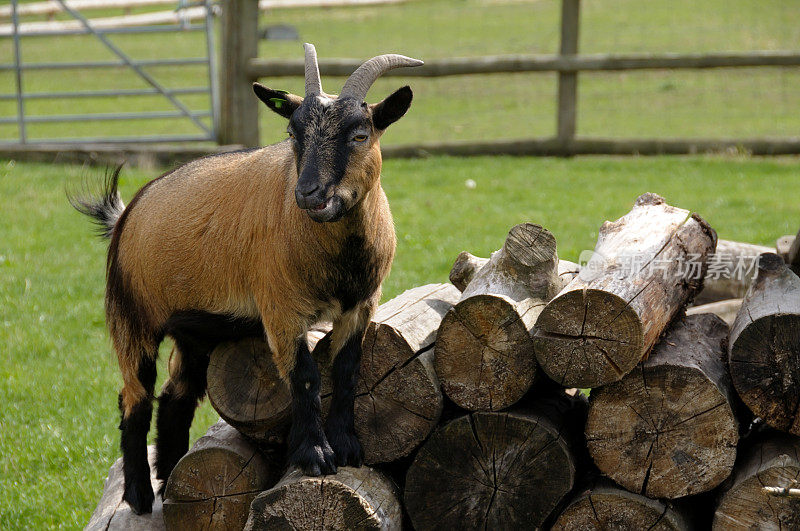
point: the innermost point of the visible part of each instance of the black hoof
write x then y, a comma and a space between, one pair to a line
314, 459
346, 447
140, 497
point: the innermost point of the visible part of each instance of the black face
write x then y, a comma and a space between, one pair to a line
331, 139
328, 136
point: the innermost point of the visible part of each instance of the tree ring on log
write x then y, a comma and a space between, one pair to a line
765, 368
609, 507
489, 471
574, 342
353, 498
684, 447
244, 386
474, 366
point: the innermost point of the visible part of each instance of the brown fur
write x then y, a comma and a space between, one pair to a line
224, 235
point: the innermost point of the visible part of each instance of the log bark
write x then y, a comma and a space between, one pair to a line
646, 266
113, 514
486, 470
353, 498
731, 270
744, 504
213, 485
668, 429
398, 398
606, 506
764, 348
484, 353
466, 265
725, 310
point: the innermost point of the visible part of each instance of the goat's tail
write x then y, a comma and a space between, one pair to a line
104, 207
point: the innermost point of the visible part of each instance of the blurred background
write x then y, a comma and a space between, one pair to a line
711, 103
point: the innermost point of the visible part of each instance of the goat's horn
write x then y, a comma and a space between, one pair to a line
313, 82
365, 75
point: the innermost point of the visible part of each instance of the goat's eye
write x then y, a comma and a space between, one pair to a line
360, 138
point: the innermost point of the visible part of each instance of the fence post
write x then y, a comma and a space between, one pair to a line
568, 81
238, 105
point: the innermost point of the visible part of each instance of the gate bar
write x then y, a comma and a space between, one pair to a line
20, 103
144, 75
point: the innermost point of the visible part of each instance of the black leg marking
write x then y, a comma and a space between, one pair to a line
308, 447
138, 490
339, 425
177, 404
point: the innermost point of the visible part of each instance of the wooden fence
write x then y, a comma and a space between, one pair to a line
241, 67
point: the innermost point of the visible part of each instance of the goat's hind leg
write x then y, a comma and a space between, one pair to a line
177, 403
135, 404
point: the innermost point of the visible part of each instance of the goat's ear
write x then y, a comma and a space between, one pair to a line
392, 108
279, 101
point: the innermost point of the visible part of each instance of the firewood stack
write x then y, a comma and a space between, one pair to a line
469, 415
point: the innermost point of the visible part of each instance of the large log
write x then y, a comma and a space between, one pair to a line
113, 514
484, 353
353, 498
764, 347
745, 504
646, 266
398, 398
668, 429
606, 506
487, 470
213, 485
731, 270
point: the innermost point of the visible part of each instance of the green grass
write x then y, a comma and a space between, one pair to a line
719, 103
58, 376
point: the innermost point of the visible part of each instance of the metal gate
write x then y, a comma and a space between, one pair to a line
206, 130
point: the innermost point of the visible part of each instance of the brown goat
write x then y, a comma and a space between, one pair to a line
258, 242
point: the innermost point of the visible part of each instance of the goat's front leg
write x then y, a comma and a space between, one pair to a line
346, 339
308, 447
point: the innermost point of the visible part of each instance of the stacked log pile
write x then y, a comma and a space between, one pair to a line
469, 415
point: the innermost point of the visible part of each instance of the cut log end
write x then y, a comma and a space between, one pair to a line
484, 354
464, 268
529, 244
764, 347
588, 338
744, 504
501, 471
668, 429
244, 387
353, 498
213, 485
765, 365
609, 507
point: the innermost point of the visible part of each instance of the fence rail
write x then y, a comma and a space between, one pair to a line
239, 50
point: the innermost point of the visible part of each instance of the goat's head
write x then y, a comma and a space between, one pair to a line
335, 138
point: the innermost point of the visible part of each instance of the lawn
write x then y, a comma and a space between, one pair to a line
58, 376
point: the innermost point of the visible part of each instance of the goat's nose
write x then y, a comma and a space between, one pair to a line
308, 196
307, 189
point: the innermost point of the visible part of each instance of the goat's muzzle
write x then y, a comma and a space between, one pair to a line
319, 203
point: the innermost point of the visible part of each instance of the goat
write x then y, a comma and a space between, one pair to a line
257, 242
